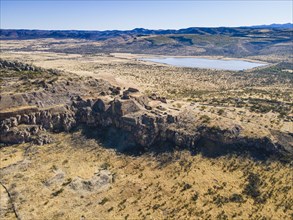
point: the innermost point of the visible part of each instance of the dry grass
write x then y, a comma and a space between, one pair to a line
261, 99
173, 185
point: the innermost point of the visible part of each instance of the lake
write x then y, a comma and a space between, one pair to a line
218, 64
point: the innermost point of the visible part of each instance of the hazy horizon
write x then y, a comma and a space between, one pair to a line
139, 28
128, 15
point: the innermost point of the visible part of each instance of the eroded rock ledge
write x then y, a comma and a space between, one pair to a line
63, 102
144, 127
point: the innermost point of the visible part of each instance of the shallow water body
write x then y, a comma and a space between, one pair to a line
219, 64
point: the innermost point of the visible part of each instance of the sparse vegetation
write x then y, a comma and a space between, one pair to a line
56, 193
205, 119
177, 183
224, 187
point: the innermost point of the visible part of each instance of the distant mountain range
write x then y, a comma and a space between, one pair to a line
270, 26
220, 41
103, 35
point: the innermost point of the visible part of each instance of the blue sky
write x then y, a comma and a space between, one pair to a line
125, 15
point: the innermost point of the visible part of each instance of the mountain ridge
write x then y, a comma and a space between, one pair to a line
141, 29
6, 34
220, 41
274, 25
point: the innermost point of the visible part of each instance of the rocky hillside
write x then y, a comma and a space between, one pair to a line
139, 122
75, 146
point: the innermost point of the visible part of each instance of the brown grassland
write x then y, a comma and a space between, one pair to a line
167, 185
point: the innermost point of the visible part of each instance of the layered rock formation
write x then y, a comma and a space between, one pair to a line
63, 105
142, 127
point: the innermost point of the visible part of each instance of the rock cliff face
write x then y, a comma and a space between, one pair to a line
144, 128
63, 103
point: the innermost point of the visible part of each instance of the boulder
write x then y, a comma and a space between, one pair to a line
132, 90
115, 90
124, 107
163, 99
153, 96
99, 106
143, 100
125, 95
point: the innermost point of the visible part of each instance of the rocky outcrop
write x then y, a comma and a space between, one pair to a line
19, 66
144, 127
31, 127
59, 105
99, 182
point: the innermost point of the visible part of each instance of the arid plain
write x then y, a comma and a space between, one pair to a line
81, 177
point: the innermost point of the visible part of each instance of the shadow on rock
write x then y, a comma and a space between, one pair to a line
124, 143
